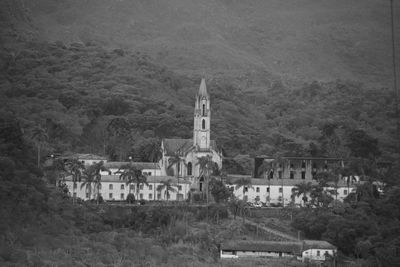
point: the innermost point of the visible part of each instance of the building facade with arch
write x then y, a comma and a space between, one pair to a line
185, 153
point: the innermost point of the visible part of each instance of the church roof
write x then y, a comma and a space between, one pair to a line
138, 165
171, 146
203, 88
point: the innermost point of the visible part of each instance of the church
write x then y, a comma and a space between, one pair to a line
186, 152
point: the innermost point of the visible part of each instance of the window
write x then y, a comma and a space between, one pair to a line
110, 196
303, 164
267, 189
132, 187
150, 196
141, 187
150, 187
246, 189
122, 196
189, 168
271, 175
87, 195
110, 187
280, 189
344, 192
303, 175
280, 174
141, 196
204, 109
203, 124
318, 253
257, 189
158, 196
179, 188
291, 174
122, 187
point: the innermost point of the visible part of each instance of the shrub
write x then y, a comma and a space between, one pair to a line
130, 198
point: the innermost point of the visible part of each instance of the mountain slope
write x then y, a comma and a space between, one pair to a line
296, 40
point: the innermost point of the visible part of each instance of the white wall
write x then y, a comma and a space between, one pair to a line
147, 192
312, 254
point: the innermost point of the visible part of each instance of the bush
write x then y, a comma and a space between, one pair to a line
130, 198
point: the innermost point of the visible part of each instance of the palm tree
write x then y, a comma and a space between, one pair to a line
128, 173
245, 183
302, 189
93, 175
167, 185
75, 168
39, 134
266, 168
88, 177
155, 156
176, 159
206, 167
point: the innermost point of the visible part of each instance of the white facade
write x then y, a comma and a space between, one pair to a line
114, 189
317, 254
190, 150
274, 193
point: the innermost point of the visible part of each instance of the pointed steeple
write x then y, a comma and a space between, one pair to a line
203, 88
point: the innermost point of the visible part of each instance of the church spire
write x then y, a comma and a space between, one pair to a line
203, 88
202, 117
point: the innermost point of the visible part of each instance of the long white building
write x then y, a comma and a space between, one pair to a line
112, 188
277, 191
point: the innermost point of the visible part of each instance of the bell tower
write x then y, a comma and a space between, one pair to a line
202, 116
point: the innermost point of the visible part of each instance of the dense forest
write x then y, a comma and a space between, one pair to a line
95, 96
68, 88
119, 103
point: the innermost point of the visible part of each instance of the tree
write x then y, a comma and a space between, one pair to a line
167, 186
75, 168
219, 191
39, 134
362, 145
245, 183
154, 156
130, 174
92, 175
266, 169
206, 167
302, 189
176, 159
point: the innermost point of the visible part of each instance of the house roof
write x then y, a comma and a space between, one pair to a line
294, 247
150, 179
271, 246
317, 244
171, 146
81, 156
138, 165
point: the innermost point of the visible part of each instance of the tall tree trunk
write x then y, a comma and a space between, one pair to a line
38, 156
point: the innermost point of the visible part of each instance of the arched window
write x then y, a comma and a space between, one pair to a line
203, 124
189, 168
204, 109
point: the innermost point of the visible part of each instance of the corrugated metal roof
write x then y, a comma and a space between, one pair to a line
150, 179
138, 165
294, 247
173, 146
264, 246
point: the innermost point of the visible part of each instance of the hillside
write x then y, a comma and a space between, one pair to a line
298, 41
113, 77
